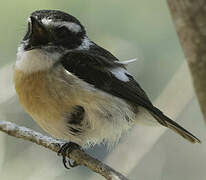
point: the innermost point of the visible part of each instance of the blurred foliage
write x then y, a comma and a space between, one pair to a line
130, 29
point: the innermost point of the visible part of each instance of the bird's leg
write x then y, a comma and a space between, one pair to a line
66, 149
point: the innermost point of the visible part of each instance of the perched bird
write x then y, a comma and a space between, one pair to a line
76, 90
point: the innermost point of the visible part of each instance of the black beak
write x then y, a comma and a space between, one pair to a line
37, 35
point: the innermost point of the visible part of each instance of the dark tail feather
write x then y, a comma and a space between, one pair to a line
167, 122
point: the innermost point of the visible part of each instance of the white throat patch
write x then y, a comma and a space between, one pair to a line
33, 60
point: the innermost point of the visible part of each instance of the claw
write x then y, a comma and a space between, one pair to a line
72, 163
65, 162
66, 149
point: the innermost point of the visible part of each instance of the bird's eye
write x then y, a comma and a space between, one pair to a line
62, 32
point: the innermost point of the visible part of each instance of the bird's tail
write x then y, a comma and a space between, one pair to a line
167, 122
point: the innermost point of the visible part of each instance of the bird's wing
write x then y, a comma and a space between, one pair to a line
106, 75
113, 78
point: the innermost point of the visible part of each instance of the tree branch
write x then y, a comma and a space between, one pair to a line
79, 156
189, 17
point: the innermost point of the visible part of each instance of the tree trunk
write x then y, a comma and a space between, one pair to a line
189, 17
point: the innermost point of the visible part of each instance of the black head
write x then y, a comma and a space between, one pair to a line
52, 28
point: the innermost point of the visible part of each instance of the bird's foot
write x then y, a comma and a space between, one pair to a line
66, 149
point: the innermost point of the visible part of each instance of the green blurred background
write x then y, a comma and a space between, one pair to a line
130, 29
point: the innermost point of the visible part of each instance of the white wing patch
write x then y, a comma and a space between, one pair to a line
120, 73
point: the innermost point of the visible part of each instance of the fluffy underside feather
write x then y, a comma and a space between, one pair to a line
46, 106
98, 104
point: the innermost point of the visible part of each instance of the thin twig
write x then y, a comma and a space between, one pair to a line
77, 155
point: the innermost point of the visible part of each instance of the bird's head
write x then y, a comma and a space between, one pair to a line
52, 30
49, 36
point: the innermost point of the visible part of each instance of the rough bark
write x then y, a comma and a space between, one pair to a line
79, 156
189, 17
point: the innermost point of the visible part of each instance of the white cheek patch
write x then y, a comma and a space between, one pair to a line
69, 25
120, 73
33, 60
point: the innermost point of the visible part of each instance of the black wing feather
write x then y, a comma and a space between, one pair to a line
96, 70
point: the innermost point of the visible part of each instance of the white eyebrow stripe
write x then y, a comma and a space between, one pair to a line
70, 25
46, 21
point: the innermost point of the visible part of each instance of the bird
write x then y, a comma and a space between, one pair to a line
75, 89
